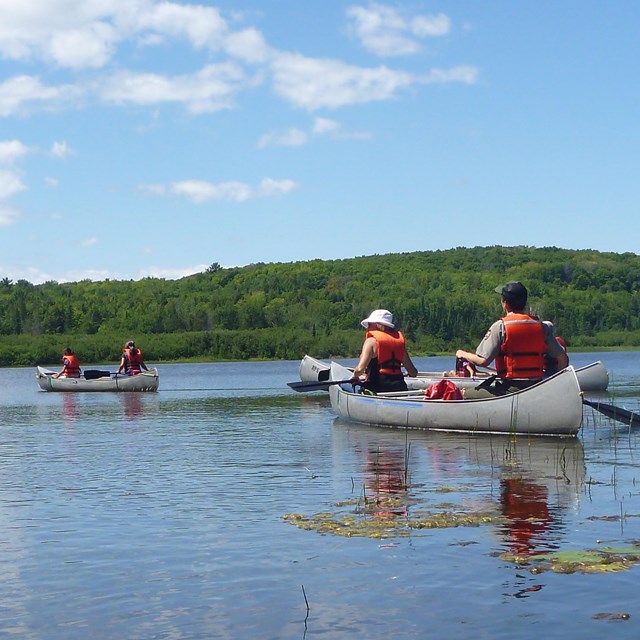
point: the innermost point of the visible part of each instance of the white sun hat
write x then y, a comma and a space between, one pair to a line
379, 316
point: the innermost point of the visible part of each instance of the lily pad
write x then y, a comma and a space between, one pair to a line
602, 560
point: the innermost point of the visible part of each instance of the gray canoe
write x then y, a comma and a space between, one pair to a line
551, 407
145, 381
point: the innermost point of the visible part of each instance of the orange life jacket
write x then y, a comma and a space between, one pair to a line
391, 351
71, 366
522, 352
132, 360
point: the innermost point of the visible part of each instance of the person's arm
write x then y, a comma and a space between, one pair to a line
562, 360
368, 352
409, 366
554, 349
488, 348
121, 367
474, 358
65, 363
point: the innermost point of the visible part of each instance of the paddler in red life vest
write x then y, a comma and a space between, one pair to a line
518, 342
70, 365
384, 353
131, 362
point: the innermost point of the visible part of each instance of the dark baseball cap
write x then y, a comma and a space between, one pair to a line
513, 291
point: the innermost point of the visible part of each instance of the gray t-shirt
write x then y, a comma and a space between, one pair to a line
489, 346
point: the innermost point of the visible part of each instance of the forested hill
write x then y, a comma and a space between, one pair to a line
441, 299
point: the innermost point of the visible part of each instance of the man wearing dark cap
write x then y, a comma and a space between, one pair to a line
518, 343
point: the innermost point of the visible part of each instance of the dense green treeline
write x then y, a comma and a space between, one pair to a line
441, 299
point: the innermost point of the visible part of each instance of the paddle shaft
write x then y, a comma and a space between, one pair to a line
617, 413
315, 386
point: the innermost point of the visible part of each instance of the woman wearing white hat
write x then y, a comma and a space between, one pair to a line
384, 352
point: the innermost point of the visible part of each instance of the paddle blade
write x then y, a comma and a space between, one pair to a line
616, 413
314, 386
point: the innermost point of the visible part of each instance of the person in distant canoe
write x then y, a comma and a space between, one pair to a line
464, 369
384, 353
70, 365
518, 343
131, 362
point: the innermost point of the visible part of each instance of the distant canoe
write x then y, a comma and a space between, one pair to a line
592, 377
145, 381
551, 407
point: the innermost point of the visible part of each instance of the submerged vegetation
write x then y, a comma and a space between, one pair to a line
441, 299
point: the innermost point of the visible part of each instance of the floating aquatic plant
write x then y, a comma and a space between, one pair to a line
603, 560
384, 524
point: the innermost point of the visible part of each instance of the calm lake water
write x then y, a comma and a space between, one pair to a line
217, 508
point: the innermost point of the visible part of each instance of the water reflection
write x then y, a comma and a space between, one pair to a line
539, 482
69, 408
526, 507
386, 482
523, 487
132, 404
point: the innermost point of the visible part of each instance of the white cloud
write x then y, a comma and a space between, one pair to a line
199, 191
171, 273
91, 45
51, 182
17, 94
202, 26
334, 130
10, 184
8, 216
324, 126
247, 45
12, 150
466, 74
210, 89
290, 138
82, 34
68, 33
315, 83
87, 34
321, 127
88, 242
385, 32
61, 150
269, 187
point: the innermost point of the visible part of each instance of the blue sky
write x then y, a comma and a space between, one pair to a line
142, 138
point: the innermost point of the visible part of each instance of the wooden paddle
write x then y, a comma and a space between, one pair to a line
314, 386
617, 413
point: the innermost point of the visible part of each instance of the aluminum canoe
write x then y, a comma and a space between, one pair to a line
145, 381
552, 407
592, 377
